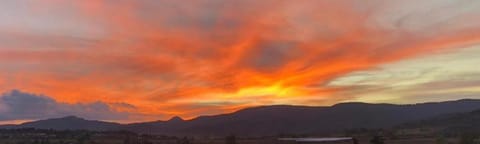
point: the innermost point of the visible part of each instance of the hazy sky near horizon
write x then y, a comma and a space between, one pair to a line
137, 60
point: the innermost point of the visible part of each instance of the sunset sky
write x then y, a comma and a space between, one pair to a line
143, 60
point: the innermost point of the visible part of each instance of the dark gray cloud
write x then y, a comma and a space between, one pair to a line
16, 105
270, 56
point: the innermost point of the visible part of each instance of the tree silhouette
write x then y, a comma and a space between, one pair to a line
377, 140
231, 139
467, 138
184, 140
83, 139
441, 140
45, 141
355, 141
36, 141
127, 140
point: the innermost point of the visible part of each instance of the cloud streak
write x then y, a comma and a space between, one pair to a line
444, 76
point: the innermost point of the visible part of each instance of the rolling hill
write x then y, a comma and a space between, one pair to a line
67, 123
457, 123
272, 120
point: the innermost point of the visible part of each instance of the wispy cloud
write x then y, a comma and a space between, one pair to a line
442, 76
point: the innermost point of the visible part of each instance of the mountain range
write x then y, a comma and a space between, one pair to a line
67, 123
456, 123
279, 119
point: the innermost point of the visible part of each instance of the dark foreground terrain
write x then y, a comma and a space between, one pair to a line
454, 122
364, 136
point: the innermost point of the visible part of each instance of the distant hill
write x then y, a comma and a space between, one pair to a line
457, 123
281, 119
272, 120
67, 123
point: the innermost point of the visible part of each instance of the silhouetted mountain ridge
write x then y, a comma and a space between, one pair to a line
271, 120
277, 119
176, 119
449, 123
68, 123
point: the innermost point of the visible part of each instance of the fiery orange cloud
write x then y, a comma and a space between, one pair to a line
191, 58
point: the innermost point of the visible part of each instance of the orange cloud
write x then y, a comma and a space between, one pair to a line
190, 58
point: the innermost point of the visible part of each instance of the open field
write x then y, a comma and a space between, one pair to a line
34, 136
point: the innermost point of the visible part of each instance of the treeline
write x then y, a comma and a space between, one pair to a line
43, 136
